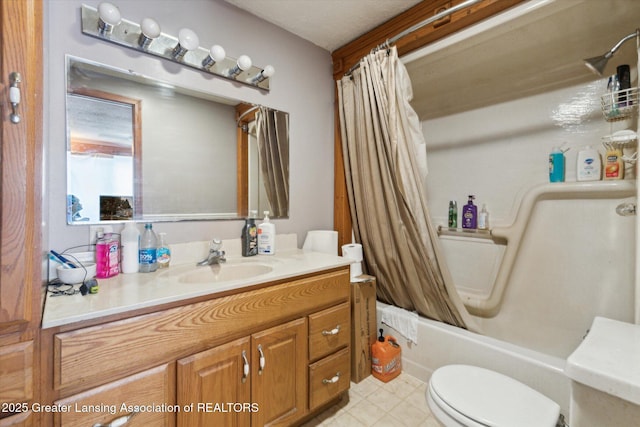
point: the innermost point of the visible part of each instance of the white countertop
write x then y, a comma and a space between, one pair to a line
126, 292
608, 359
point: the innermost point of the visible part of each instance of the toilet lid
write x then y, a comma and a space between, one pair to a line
492, 399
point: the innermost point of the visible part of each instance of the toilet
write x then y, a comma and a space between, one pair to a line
470, 396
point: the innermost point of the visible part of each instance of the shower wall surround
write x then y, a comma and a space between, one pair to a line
581, 261
298, 62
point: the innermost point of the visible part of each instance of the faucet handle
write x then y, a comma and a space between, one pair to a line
215, 245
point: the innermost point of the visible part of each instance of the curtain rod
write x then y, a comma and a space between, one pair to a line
255, 107
434, 18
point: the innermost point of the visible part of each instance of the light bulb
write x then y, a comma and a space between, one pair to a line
187, 40
268, 71
264, 74
243, 64
109, 17
150, 28
216, 54
150, 31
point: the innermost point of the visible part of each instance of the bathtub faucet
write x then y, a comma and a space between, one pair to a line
216, 256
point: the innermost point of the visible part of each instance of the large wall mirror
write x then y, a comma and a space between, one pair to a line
142, 149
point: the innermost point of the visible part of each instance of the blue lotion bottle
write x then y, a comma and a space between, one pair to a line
556, 165
470, 215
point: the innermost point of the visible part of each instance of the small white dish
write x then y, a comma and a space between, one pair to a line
72, 276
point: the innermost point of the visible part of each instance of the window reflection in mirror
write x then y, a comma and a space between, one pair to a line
142, 149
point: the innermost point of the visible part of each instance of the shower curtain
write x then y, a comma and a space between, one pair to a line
386, 168
273, 147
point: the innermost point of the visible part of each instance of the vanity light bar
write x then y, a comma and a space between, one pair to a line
183, 51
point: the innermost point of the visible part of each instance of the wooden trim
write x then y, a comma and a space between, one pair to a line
86, 146
350, 54
242, 139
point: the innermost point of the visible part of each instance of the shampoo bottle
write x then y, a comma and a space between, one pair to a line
249, 237
266, 236
453, 214
470, 215
589, 165
556, 165
130, 237
483, 218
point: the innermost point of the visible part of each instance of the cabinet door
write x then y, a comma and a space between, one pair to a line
217, 386
279, 374
20, 154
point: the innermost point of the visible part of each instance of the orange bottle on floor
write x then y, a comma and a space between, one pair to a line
386, 358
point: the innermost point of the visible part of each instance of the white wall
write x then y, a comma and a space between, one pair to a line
577, 257
302, 86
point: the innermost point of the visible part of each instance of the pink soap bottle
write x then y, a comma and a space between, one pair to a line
107, 255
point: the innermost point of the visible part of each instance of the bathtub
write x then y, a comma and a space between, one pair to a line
440, 344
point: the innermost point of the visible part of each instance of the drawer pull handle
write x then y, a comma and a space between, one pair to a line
262, 360
118, 421
334, 331
333, 380
245, 368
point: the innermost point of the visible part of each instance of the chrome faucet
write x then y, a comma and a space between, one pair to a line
216, 256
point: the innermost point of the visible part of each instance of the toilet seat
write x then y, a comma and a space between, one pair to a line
475, 396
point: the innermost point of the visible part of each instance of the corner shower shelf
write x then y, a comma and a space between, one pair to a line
620, 105
464, 232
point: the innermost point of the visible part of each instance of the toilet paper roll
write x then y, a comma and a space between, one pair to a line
325, 241
352, 251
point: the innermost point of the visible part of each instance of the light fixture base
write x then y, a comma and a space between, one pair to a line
127, 34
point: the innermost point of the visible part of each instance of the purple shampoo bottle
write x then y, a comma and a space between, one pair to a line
470, 214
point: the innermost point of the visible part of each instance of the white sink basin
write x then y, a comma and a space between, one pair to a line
218, 272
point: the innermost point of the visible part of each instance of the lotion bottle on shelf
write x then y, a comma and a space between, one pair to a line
470, 215
483, 218
266, 236
589, 165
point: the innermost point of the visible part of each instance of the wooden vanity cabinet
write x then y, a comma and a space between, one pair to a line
254, 358
258, 380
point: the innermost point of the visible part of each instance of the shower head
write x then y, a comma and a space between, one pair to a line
597, 63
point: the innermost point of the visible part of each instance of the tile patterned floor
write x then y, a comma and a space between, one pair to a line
373, 403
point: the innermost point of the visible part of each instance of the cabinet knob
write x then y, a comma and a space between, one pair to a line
262, 360
245, 369
14, 96
120, 421
333, 380
334, 331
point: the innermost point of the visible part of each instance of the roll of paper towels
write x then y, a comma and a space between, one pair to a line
353, 251
325, 241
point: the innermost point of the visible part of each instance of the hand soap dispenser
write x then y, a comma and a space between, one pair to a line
470, 214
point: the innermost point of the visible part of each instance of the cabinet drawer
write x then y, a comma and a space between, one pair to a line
152, 391
23, 419
329, 330
329, 377
16, 371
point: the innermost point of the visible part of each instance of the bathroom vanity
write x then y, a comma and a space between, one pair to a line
182, 347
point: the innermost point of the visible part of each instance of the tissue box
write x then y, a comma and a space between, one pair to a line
363, 326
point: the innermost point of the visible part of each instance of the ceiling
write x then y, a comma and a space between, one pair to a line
329, 24
538, 52
529, 53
